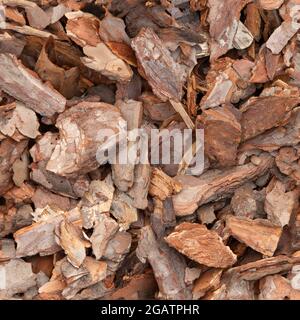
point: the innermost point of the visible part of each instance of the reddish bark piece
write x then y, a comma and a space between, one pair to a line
163, 74
260, 234
201, 245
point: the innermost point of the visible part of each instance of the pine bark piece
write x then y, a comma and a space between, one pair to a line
161, 258
36, 16
142, 286
39, 238
264, 267
164, 75
104, 230
281, 36
78, 127
16, 120
245, 202
263, 113
222, 130
274, 287
90, 273
243, 37
215, 184
236, 288
123, 174
223, 27
209, 280
270, 4
83, 28
70, 238
201, 245
274, 139
123, 210
116, 250
280, 204
162, 186
11, 44
20, 83
10, 151
7, 250
16, 277
42, 197
63, 80
140, 188
102, 59
261, 235
163, 216
97, 200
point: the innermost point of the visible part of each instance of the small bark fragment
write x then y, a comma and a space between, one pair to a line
260, 234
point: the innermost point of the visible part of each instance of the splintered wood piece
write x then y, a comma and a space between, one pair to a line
178, 106
280, 204
16, 120
264, 267
123, 210
96, 200
216, 184
164, 75
101, 59
201, 245
222, 148
21, 83
261, 235
90, 273
70, 238
162, 186
139, 190
85, 128
105, 228
16, 277
161, 258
